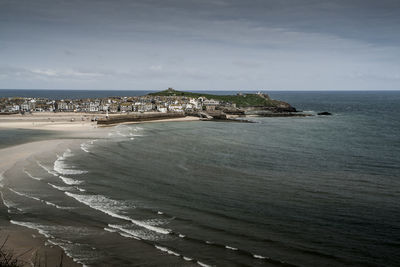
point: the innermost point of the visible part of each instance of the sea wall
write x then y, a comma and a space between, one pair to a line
140, 117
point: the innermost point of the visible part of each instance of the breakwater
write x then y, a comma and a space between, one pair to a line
139, 117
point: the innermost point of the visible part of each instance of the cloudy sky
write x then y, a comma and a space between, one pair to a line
200, 44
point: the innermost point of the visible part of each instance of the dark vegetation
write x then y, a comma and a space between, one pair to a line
241, 100
10, 259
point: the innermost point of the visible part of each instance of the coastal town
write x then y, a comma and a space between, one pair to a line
163, 104
146, 103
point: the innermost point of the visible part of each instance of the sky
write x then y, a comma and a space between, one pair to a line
200, 44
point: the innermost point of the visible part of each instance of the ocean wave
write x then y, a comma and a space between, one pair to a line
157, 221
258, 256
110, 230
164, 249
9, 204
70, 181
40, 200
138, 235
62, 168
31, 176
74, 251
46, 169
35, 226
24, 195
126, 132
231, 248
203, 264
86, 145
112, 207
61, 188
80, 253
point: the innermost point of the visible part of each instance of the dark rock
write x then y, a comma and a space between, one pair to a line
325, 113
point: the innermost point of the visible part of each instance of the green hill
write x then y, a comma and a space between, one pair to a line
241, 100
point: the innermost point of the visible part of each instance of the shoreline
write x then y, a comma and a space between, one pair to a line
26, 242
70, 122
22, 239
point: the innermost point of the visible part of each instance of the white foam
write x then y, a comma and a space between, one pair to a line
9, 204
181, 236
46, 169
110, 230
33, 177
203, 264
111, 207
67, 246
187, 258
164, 249
156, 221
34, 226
57, 206
85, 147
61, 188
160, 213
231, 248
127, 235
62, 168
258, 256
138, 235
70, 181
40, 200
80, 189
24, 195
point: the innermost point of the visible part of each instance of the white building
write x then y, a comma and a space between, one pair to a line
175, 108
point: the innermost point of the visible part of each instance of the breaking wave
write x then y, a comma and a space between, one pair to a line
62, 168
112, 207
70, 181
31, 176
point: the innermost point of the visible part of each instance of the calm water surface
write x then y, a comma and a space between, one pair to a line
315, 191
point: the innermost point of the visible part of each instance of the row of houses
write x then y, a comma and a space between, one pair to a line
112, 105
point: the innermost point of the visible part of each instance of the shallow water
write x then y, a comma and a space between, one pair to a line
10, 137
315, 191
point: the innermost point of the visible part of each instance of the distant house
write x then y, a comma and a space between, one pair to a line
195, 103
61, 106
162, 109
93, 107
175, 108
210, 104
113, 108
125, 107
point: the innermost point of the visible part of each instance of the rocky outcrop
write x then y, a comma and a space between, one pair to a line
325, 113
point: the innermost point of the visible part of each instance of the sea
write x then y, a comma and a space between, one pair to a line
300, 191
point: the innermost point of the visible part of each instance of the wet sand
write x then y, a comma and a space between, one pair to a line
28, 245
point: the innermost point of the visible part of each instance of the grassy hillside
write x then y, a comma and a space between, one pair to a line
245, 100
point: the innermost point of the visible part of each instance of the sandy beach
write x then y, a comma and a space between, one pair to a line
77, 123
26, 243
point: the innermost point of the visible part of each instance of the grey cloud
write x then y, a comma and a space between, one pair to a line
222, 44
